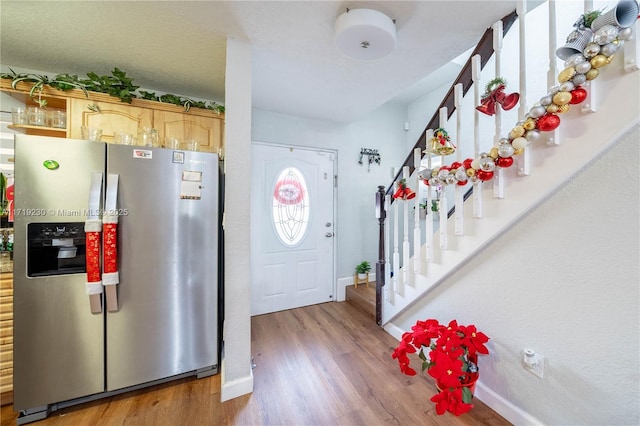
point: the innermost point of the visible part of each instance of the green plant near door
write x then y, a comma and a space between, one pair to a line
363, 267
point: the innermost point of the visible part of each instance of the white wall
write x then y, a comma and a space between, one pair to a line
237, 377
563, 281
357, 227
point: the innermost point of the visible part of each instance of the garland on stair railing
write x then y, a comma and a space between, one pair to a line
608, 35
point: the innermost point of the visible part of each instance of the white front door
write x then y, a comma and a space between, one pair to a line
292, 227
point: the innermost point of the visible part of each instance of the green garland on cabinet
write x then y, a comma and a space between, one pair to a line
117, 84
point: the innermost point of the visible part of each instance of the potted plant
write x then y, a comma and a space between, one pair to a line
362, 273
452, 360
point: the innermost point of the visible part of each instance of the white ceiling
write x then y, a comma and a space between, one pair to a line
179, 47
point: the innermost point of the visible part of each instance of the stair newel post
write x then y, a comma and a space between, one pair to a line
417, 154
443, 207
524, 160
459, 194
498, 174
380, 269
476, 68
405, 237
429, 220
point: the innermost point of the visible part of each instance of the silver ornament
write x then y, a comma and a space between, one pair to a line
505, 150
461, 174
609, 49
567, 86
483, 155
450, 179
505, 141
474, 179
591, 50
537, 111
487, 164
579, 79
583, 67
442, 174
546, 100
532, 135
574, 60
434, 181
605, 34
424, 174
625, 33
553, 90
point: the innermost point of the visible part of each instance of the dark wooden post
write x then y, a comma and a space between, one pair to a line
381, 216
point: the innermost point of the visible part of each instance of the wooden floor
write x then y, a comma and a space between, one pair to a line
326, 364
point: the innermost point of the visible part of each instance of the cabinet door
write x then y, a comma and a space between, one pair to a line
206, 130
111, 118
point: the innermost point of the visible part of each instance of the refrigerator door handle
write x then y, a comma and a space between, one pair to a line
110, 276
92, 229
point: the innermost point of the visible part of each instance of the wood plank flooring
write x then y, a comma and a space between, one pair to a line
326, 364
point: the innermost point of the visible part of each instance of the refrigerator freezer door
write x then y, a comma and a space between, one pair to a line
58, 342
167, 322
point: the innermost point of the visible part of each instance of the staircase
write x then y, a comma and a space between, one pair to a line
363, 297
419, 254
542, 256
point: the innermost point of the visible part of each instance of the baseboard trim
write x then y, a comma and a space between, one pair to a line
234, 388
506, 409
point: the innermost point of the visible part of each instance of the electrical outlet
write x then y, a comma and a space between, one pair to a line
533, 362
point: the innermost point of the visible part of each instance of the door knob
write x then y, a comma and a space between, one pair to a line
328, 224
329, 234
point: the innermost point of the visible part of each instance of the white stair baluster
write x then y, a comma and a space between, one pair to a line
442, 204
498, 173
477, 186
459, 191
428, 254
553, 136
406, 255
416, 226
524, 159
396, 253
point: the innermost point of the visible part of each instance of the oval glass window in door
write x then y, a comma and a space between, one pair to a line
290, 206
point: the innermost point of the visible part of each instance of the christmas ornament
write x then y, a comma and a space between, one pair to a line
566, 74
494, 94
578, 95
537, 111
404, 192
562, 98
504, 162
605, 35
591, 50
519, 143
548, 122
599, 61
440, 143
592, 74
484, 175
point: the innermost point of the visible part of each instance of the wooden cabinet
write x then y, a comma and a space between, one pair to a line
109, 117
112, 115
206, 130
6, 337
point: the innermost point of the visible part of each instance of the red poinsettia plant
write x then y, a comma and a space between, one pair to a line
452, 360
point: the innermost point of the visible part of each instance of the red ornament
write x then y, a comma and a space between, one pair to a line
504, 162
548, 122
462, 182
484, 175
426, 182
578, 95
467, 163
455, 165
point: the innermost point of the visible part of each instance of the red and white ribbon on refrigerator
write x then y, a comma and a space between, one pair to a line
110, 276
92, 229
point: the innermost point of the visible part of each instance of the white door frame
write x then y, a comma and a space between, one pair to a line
334, 152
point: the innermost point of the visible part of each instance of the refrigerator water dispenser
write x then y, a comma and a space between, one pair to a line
55, 249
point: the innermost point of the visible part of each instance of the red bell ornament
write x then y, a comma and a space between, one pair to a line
484, 175
504, 161
578, 95
548, 122
399, 193
409, 194
510, 101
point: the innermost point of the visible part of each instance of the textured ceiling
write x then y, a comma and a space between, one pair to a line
179, 47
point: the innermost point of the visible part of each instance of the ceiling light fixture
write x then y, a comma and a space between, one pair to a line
365, 34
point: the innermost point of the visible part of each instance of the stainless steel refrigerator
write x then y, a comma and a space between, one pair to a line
162, 319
